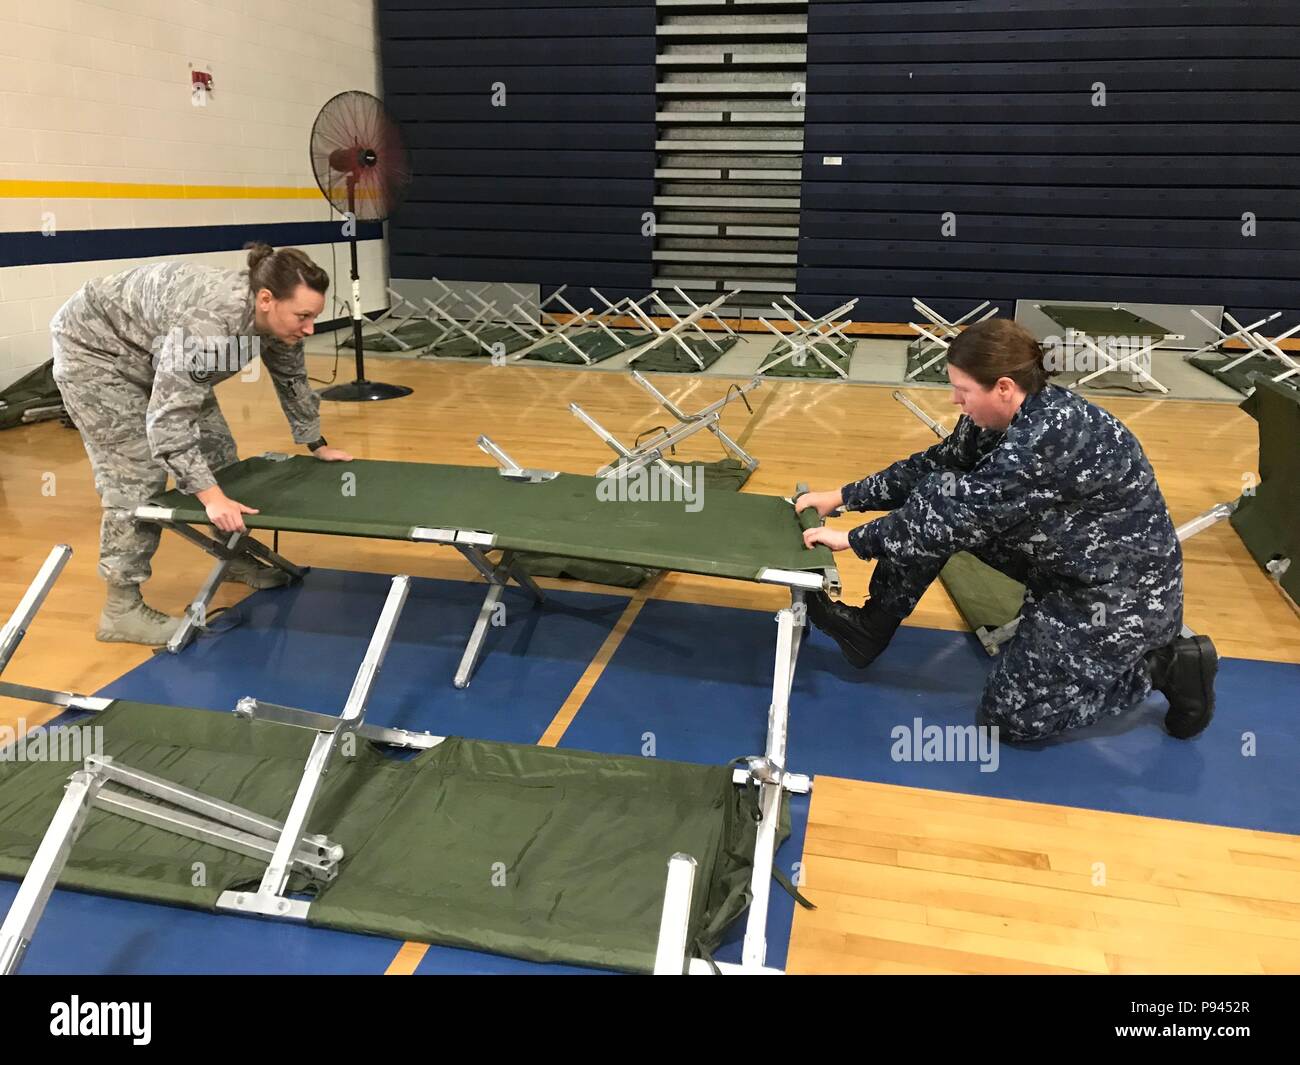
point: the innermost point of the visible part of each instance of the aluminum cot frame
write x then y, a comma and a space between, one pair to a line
1256, 344
287, 846
803, 338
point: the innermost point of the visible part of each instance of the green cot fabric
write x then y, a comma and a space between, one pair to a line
812, 367
1121, 380
422, 337
984, 596
730, 535
726, 475
919, 352
1268, 521
502, 339
417, 334
1242, 376
532, 852
668, 356
597, 345
35, 389
1102, 321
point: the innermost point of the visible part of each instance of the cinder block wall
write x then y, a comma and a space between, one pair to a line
104, 148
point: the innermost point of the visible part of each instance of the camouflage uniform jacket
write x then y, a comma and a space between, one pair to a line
1066, 487
176, 329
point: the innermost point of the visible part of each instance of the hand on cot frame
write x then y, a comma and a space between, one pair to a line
832, 538
825, 503
332, 454
225, 513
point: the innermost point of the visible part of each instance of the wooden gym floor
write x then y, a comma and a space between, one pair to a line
906, 880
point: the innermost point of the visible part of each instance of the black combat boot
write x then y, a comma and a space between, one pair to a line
861, 632
1183, 671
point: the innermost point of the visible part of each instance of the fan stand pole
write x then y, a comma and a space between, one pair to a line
360, 389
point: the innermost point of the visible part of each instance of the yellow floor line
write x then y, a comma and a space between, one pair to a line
408, 958
411, 954
564, 716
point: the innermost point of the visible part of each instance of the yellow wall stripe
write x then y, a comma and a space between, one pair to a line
131, 190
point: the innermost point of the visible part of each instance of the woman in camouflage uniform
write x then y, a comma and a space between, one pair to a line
1055, 492
136, 356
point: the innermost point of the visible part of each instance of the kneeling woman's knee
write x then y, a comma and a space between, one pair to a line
1021, 724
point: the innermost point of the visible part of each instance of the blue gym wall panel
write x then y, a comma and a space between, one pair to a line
985, 109
549, 189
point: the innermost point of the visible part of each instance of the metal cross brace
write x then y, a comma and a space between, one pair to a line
944, 332
674, 331
225, 548
806, 336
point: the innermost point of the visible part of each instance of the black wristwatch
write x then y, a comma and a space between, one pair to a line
316, 445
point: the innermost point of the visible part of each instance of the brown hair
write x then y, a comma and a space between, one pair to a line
283, 271
997, 348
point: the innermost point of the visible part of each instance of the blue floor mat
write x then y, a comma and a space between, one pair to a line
690, 673
92, 934
301, 646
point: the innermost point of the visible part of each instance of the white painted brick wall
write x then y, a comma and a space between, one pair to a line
99, 90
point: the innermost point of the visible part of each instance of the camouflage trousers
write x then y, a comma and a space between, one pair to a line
1063, 669
109, 411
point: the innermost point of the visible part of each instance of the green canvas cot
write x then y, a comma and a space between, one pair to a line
537, 853
919, 352
596, 344
811, 367
668, 357
1102, 321
1237, 378
1268, 520
34, 396
731, 534
986, 598
502, 340
416, 334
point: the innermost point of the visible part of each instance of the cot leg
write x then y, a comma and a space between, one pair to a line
474, 649
498, 577
269, 899
43, 873
993, 639
225, 552
671, 956
196, 614
13, 630
731, 445
789, 635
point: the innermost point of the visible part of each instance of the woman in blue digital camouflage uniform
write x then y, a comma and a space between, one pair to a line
1055, 492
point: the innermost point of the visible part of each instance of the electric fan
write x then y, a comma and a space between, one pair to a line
360, 166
